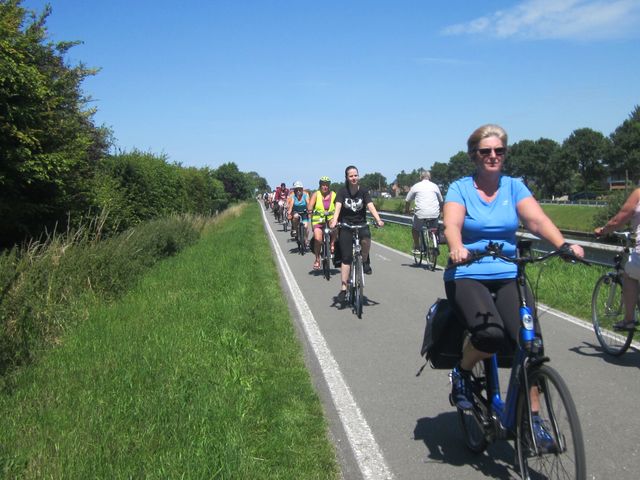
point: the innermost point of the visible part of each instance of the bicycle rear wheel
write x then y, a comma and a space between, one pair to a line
471, 421
564, 460
607, 308
432, 250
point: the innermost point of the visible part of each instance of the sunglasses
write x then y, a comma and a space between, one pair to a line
500, 151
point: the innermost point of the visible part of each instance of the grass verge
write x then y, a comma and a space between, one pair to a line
195, 373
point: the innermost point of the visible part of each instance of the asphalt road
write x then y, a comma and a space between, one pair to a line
388, 423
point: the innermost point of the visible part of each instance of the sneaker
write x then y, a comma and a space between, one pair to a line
461, 393
544, 438
342, 296
416, 251
366, 267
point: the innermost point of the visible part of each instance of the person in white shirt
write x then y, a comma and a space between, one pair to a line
428, 203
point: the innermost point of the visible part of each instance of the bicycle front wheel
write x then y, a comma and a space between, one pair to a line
359, 287
326, 257
563, 456
607, 308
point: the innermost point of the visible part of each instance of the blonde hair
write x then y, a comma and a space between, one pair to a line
485, 131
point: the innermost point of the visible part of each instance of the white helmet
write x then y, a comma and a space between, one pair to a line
297, 184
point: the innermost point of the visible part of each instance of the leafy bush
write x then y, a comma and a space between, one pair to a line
43, 285
614, 201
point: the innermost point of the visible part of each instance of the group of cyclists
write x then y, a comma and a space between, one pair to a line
348, 205
483, 208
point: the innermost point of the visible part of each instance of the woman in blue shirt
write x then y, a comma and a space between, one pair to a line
484, 207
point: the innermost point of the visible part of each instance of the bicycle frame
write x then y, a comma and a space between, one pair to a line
527, 354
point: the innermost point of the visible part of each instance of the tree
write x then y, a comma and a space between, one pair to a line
585, 149
48, 140
374, 181
532, 160
623, 157
439, 174
237, 185
406, 180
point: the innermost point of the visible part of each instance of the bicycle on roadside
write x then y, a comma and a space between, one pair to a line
355, 287
285, 223
325, 246
607, 305
428, 245
491, 418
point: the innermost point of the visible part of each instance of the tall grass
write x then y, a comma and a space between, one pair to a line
194, 373
43, 285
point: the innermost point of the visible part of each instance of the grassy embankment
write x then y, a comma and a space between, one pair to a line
563, 286
195, 372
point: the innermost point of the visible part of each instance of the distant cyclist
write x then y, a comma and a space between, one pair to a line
352, 202
428, 203
297, 209
280, 197
322, 200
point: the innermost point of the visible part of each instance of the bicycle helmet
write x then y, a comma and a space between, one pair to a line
297, 184
325, 179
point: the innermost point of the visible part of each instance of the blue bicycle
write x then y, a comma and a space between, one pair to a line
491, 418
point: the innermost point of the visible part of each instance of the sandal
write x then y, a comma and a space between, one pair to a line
316, 265
626, 326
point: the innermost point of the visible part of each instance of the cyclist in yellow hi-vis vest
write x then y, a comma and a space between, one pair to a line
322, 200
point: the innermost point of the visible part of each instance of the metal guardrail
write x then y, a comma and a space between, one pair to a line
597, 253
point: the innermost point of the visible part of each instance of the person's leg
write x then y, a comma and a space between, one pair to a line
346, 253
317, 235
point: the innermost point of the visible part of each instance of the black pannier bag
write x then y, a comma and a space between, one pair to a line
444, 336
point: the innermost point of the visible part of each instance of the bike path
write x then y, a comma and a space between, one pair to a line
415, 429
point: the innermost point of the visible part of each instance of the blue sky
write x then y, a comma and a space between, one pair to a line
297, 89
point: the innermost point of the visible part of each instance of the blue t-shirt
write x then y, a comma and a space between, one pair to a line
495, 221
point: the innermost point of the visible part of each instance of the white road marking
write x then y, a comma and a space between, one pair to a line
366, 450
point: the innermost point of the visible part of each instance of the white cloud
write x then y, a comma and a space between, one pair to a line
555, 19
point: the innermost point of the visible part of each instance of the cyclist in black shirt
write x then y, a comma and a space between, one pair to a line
352, 201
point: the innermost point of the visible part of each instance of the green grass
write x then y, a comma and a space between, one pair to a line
195, 373
563, 286
572, 217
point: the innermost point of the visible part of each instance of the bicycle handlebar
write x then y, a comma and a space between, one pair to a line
495, 250
355, 227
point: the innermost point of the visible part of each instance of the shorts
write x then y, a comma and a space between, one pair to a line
345, 241
304, 216
418, 223
632, 267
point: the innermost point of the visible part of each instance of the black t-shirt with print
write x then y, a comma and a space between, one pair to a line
354, 207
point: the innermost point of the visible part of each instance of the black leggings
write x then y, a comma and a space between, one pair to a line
490, 309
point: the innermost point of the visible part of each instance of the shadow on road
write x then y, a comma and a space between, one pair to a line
631, 358
445, 444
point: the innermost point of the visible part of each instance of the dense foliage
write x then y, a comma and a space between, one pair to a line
56, 168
